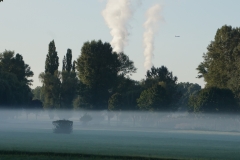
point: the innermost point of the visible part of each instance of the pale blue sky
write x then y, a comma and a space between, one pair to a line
27, 27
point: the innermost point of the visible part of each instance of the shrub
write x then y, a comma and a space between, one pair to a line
85, 118
63, 126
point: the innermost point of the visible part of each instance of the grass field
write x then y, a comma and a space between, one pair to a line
151, 144
32, 138
4, 155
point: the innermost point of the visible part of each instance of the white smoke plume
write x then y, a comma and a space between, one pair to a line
151, 26
117, 15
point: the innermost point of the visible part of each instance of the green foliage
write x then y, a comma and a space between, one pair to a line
5, 59
69, 82
212, 100
68, 89
36, 104
126, 65
130, 91
115, 102
186, 89
59, 89
130, 99
84, 97
14, 82
37, 93
51, 79
16, 65
51, 89
69, 60
74, 66
220, 67
97, 63
51, 63
97, 69
160, 90
9, 89
38, 98
161, 75
154, 98
64, 64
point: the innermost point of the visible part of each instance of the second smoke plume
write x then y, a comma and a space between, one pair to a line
151, 28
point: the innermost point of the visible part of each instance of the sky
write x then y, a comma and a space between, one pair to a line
28, 26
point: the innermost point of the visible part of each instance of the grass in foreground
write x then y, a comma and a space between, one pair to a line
18, 155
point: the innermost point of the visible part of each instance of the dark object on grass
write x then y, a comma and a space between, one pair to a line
62, 126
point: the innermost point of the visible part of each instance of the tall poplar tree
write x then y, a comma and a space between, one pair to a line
69, 60
51, 63
51, 79
69, 82
64, 64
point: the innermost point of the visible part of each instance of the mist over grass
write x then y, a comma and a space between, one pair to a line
133, 133
142, 120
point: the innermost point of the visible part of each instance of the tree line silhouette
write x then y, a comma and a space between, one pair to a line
99, 79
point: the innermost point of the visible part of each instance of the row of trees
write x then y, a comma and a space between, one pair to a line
100, 87
59, 88
100, 79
